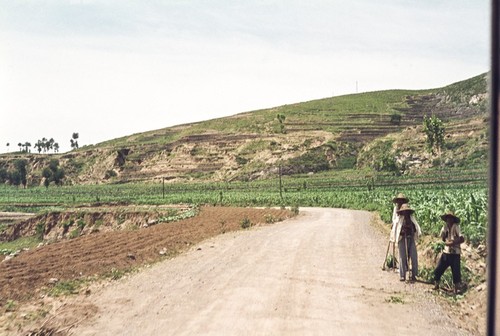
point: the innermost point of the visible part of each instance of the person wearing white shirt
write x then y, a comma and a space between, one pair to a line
452, 237
406, 232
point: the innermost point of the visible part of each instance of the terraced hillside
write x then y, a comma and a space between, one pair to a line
345, 132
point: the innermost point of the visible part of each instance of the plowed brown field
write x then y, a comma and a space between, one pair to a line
97, 254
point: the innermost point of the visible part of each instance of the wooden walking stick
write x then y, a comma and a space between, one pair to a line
394, 256
407, 258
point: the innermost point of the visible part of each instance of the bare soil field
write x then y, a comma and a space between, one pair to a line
29, 275
319, 274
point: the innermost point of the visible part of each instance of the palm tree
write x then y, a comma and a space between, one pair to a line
38, 146
26, 146
51, 143
74, 142
44, 144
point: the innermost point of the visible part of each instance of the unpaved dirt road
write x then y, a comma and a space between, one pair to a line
317, 274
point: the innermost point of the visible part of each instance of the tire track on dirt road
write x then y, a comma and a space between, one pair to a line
317, 274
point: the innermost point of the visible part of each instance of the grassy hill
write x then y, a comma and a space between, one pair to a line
373, 131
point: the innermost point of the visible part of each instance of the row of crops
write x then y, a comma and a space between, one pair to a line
468, 201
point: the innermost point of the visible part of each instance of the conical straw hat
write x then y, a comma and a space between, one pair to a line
452, 215
405, 208
400, 197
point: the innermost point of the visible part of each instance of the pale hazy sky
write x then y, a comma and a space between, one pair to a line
112, 68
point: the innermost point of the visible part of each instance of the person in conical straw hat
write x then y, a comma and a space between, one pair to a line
399, 200
406, 232
450, 257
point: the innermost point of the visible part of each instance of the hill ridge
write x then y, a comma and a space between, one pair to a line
342, 132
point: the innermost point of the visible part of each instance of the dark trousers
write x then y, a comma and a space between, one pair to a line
448, 260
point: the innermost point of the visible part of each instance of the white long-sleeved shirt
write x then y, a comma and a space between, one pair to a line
395, 216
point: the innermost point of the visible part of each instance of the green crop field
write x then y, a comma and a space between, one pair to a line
430, 196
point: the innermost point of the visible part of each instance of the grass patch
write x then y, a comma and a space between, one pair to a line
395, 299
115, 274
312, 161
63, 288
39, 313
10, 306
254, 147
18, 244
346, 162
174, 215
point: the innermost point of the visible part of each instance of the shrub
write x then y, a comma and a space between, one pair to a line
74, 233
390, 262
313, 160
241, 160
269, 219
245, 223
396, 118
68, 223
109, 174
346, 162
81, 224
10, 306
40, 231
437, 247
222, 226
97, 225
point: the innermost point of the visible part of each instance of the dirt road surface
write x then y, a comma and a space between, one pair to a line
317, 274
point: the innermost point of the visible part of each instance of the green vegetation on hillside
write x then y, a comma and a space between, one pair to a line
381, 132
